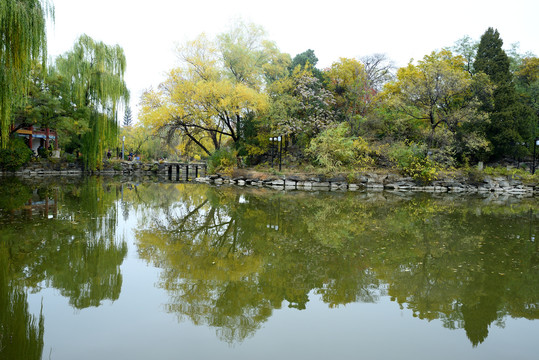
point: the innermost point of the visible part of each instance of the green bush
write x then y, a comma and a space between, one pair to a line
411, 160
70, 158
222, 160
15, 155
404, 154
43, 153
423, 170
333, 150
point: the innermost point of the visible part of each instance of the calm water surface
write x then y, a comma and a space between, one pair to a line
101, 269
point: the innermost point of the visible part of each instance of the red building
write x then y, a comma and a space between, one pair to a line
37, 138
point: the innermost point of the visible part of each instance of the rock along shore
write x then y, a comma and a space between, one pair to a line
370, 181
377, 182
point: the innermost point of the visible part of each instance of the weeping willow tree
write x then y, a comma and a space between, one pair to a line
96, 73
23, 39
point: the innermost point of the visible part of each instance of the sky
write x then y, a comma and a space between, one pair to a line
150, 31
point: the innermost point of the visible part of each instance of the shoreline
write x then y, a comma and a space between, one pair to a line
370, 181
366, 181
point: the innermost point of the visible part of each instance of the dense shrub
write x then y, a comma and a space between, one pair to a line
69, 158
15, 155
43, 153
411, 160
423, 170
404, 154
222, 160
333, 149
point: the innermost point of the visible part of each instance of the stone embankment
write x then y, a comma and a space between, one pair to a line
510, 185
377, 182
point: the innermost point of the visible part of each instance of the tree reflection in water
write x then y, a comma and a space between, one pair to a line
21, 334
230, 257
54, 236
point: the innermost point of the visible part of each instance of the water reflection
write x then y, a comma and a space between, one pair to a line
60, 236
21, 334
231, 257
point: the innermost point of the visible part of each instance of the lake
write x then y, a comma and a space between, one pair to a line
104, 269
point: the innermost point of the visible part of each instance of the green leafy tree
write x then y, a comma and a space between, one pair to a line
302, 107
22, 40
42, 106
441, 93
96, 71
48, 104
467, 48
511, 121
527, 84
304, 60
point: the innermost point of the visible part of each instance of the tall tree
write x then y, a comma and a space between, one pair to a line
96, 71
302, 107
353, 95
527, 77
307, 58
217, 89
439, 91
128, 117
467, 48
243, 53
22, 40
491, 59
527, 84
379, 70
511, 122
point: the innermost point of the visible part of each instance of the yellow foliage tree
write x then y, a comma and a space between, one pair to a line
348, 81
217, 87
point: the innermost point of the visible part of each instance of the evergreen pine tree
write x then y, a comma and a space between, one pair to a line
510, 120
127, 117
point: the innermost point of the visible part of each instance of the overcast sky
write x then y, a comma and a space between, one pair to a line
149, 30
